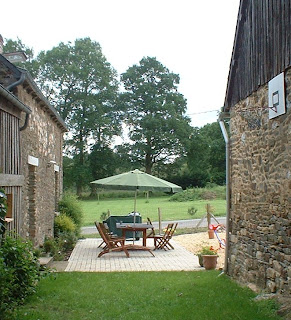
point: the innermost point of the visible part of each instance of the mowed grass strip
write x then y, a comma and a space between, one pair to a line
143, 295
92, 209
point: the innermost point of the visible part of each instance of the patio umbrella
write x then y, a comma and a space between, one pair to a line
137, 180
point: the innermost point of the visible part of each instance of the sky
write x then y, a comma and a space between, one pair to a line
192, 38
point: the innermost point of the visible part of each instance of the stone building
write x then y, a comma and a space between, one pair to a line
31, 143
258, 104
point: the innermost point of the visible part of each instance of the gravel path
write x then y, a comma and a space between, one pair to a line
194, 242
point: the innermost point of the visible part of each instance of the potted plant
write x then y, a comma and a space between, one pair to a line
208, 257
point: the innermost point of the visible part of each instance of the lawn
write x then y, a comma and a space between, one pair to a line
143, 295
92, 209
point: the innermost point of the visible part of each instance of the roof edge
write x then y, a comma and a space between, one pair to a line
52, 110
14, 100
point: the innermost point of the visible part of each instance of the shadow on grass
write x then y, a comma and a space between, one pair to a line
194, 295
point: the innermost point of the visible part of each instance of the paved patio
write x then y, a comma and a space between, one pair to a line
85, 258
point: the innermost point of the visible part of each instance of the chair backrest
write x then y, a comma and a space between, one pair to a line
173, 229
152, 230
103, 233
168, 230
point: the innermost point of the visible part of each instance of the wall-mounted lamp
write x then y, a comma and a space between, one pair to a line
50, 163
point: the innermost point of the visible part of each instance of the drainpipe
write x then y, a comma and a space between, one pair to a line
222, 116
10, 88
18, 82
25, 122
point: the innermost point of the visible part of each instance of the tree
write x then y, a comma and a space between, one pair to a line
103, 163
216, 155
206, 155
83, 87
198, 160
154, 113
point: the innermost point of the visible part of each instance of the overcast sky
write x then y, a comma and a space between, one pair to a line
192, 38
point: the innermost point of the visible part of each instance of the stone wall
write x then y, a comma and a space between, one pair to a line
41, 141
260, 182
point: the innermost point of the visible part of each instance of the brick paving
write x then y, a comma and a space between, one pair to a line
84, 258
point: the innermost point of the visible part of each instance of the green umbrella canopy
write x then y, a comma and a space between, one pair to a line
137, 180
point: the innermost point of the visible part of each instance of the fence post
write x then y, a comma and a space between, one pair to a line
160, 220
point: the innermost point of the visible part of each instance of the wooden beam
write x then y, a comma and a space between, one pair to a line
11, 180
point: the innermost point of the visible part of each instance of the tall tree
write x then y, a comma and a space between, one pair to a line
206, 155
216, 152
155, 112
198, 158
103, 163
83, 87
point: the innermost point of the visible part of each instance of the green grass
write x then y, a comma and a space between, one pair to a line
143, 295
92, 209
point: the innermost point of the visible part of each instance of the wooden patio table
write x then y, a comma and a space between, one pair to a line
135, 227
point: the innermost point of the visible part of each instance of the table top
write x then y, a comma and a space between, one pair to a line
130, 225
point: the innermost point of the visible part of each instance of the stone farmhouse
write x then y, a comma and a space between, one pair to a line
258, 108
31, 140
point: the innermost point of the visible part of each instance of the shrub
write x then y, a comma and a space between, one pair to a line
187, 195
193, 194
104, 216
67, 241
19, 273
58, 247
208, 195
50, 245
192, 211
64, 224
70, 206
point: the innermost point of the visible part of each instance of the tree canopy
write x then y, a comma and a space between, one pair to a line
206, 155
83, 87
154, 113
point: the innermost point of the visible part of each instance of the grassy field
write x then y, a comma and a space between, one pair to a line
92, 209
143, 295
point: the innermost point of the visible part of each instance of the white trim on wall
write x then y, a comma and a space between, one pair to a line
33, 161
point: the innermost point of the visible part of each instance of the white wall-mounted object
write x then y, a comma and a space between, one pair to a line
33, 161
276, 93
56, 168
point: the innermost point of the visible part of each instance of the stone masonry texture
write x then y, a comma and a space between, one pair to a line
260, 182
42, 139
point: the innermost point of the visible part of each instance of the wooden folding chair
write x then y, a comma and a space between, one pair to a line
106, 230
111, 243
151, 233
163, 241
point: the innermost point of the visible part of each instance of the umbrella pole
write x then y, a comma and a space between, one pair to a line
135, 196
134, 211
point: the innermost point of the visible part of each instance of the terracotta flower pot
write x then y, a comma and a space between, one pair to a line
211, 234
209, 261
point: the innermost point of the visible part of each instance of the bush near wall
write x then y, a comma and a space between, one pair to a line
19, 273
67, 228
71, 207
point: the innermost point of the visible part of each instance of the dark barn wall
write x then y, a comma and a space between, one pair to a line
262, 47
